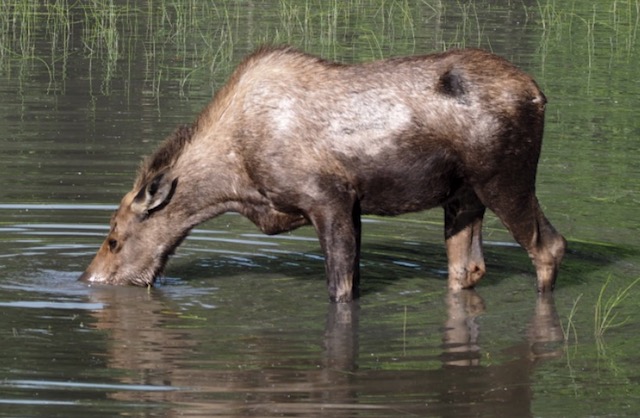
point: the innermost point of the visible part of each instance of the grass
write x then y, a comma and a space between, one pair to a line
188, 41
606, 312
603, 30
570, 328
101, 36
607, 308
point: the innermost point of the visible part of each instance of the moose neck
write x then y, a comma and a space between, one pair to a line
210, 180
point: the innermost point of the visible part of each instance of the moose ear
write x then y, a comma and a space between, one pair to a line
155, 194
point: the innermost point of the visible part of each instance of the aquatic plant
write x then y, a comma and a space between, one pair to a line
606, 310
183, 40
570, 327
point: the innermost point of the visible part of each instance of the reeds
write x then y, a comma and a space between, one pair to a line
613, 25
570, 328
194, 42
101, 36
607, 308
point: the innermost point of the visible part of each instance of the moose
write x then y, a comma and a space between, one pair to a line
293, 139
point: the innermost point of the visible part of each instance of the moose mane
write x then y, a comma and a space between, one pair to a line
171, 149
165, 155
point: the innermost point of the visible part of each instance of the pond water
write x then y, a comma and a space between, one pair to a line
241, 324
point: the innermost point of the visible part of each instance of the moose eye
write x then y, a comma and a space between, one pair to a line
113, 244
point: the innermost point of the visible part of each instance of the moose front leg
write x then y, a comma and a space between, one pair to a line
339, 231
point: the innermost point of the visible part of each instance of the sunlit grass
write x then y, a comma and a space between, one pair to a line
569, 329
607, 308
589, 28
192, 41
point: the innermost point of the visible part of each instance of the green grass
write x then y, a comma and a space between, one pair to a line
191, 40
606, 314
570, 328
607, 308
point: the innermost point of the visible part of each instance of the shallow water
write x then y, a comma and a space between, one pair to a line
241, 325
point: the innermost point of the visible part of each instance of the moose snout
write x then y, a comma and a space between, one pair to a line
90, 277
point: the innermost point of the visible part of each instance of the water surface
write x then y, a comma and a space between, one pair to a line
241, 325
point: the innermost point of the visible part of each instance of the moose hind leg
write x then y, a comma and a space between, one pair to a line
463, 236
523, 217
547, 250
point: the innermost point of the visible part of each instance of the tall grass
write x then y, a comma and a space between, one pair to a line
58, 24
189, 42
603, 29
569, 329
101, 36
606, 310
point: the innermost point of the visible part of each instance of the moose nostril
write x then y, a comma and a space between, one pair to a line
113, 244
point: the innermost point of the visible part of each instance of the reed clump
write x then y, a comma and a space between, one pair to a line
606, 311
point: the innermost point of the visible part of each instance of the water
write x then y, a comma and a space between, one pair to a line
241, 325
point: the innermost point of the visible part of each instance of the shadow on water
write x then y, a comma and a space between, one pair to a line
586, 259
220, 253
387, 263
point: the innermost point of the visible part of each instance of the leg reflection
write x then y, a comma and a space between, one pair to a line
461, 331
545, 332
499, 388
341, 337
340, 356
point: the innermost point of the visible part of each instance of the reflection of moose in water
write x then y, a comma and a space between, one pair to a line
295, 140
192, 380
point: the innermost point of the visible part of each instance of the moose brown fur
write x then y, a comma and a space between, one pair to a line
293, 140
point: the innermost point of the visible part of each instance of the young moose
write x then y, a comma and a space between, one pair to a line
293, 140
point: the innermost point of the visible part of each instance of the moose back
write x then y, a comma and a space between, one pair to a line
293, 139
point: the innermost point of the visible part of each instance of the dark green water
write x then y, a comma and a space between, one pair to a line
241, 324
